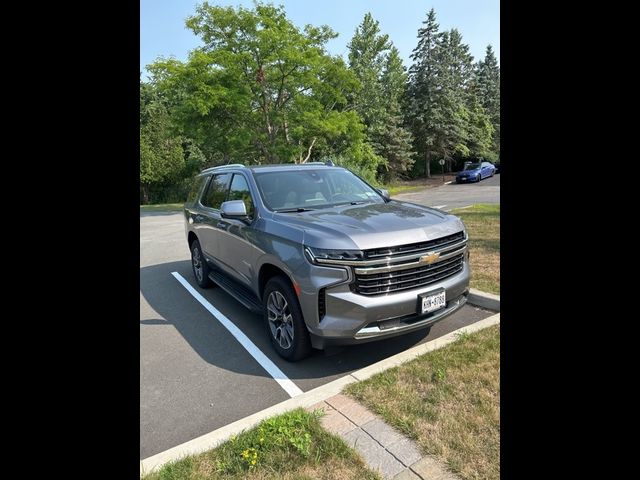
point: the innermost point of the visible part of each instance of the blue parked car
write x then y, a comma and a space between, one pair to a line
474, 172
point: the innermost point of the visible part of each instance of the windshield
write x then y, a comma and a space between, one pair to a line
472, 166
312, 189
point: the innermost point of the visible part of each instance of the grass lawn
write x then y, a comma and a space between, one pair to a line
162, 207
395, 189
483, 224
290, 446
448, 401
405, 186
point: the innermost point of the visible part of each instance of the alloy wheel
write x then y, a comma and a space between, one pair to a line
280, 319
196, 260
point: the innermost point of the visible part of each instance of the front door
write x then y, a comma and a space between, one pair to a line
238, 249
208, 229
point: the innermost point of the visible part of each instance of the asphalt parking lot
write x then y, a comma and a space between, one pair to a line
195, 376
448, 197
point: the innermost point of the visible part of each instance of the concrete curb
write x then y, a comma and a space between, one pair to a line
215, 438
484, 300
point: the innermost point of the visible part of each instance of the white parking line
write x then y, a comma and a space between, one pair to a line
438, 206
271, 368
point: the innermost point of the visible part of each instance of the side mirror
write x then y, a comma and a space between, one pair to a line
384, 193
234, 209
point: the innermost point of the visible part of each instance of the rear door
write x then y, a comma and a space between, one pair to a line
208, 220
238, 251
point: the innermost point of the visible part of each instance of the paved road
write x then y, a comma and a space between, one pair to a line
194, 376
454, 195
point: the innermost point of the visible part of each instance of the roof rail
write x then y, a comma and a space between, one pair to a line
328, 163
222, 166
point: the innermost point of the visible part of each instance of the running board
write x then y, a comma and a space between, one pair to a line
237, 291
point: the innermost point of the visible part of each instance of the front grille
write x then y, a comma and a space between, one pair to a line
386, 282
391, 252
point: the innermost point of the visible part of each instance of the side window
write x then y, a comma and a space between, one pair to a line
196, 187
216, 192
240, 191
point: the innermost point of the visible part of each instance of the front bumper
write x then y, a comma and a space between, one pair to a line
352, 318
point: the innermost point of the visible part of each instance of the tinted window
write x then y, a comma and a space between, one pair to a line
196, 187
216, 191
472, 166
307, 188
240, 191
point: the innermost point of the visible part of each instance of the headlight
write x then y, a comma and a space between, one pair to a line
321, 255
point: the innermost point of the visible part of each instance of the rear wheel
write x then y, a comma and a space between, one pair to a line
199, 264
284, 321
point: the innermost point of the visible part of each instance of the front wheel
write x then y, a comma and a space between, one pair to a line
283, 317
199, 264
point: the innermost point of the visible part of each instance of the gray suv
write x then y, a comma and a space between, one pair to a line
326, 258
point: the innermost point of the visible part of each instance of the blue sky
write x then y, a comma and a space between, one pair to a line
162, 30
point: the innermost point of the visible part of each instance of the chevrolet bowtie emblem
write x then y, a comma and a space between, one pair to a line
430, 258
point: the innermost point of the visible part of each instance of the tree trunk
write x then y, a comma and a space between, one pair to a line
309, 152
145, 194
427, 162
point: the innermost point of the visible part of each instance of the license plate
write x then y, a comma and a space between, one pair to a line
433, 302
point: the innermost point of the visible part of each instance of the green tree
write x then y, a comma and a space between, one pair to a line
488, 91
161, 153
394, 142
479, 137
422, 92
444, 112
366, 59
260, 89
453, 72
378, 67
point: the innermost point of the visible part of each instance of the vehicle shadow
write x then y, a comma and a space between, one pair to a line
215, 345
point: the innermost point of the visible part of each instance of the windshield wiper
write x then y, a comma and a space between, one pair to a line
298, 209
353, 202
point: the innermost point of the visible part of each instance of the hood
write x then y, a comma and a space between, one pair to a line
469, 172
374, 225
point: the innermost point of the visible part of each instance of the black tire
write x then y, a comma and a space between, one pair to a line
199, 266
278, 328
